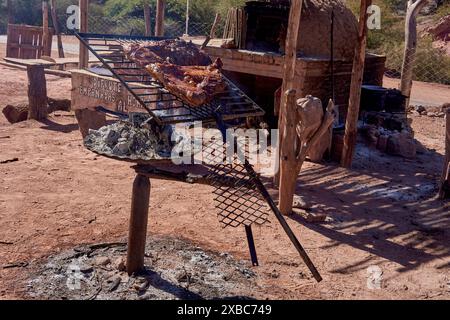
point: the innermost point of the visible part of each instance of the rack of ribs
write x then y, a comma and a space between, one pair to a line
181, 67
196, 85
177, 52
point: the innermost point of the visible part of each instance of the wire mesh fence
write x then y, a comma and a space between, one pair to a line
431, 64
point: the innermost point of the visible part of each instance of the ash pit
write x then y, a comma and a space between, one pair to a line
175, 269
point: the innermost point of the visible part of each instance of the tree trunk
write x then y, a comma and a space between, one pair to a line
414, 7
159, 26
46, 49
147, 17
84, 53
10, 7
37, 93
351, 126
56, 28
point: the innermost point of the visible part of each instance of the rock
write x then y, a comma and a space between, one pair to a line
382, 142
114, 282
58, 105
101, 261
122, 147
300, 203
16, 113
420, 109
401, 144
112, 137
119, 264
85, 268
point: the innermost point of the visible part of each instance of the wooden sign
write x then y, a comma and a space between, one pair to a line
90, 90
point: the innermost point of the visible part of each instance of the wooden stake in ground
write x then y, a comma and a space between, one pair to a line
159, 25
414, 7
46, 49
444, 190
351, 125
56, 28
84, 53
37, 93
284, 180
138, 224
147, 17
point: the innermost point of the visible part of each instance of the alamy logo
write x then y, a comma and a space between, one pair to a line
73, 21
374, 17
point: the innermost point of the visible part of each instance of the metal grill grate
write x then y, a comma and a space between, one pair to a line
152, 96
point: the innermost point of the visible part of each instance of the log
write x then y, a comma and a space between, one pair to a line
147, 17
138, 224
56, 28
351, 126
16, 113
46, 49
414, 7
89, 119
444, 189
37, 93
159, 25
84, 53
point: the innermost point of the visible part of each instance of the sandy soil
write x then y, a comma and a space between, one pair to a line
382, 213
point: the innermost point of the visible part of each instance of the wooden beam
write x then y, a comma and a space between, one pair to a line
147, 17
351, 126
444, 190
212, 34
46, 49
56, 28
289, 83
138, 224
159, 25
84, 53
37, 93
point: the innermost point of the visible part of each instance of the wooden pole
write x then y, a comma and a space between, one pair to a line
351, 126
286, 140
147, 17
138, 224
84, 53
10, 8
288, 161
186, 31
46, 50
414, 7
37, 93
212, 33
444, 190
159, 26
56, 28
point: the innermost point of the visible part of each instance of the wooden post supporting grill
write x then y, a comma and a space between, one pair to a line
159, 25
414, 7
84, 52
147, 17
351, 125
444, 190
37, 93
289, 83
56, 28
138, 224
46, 50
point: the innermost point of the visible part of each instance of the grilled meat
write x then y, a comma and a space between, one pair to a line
177, 52
196, 85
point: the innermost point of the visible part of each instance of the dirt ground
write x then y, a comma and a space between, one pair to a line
382, 213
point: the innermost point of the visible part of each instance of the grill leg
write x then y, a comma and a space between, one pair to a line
138, 224
251, 246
